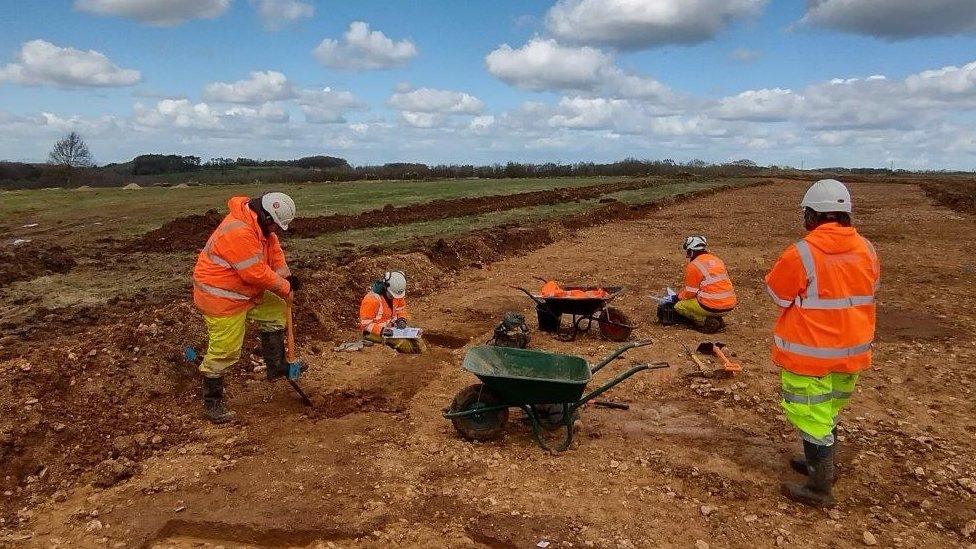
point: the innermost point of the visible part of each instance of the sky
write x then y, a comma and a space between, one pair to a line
874, 83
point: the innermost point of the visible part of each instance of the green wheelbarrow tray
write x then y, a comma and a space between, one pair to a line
548, 387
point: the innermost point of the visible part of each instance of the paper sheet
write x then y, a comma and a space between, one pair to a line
406, 333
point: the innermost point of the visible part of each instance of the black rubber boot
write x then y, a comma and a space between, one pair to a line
273, 352
817, 490
800, 464
213, 400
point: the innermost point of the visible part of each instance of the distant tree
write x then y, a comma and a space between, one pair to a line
71, 152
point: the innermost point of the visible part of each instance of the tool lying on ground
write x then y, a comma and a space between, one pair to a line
715, 349
698, 362
295, 366
550, 388
611, 404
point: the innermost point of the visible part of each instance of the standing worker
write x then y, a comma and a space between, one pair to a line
241, 275
708, 294
825, 286
384, 308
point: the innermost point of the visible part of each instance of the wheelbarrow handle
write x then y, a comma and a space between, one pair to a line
617, 380
623, 349
528, 293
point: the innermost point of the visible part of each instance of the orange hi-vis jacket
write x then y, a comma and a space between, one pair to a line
376, 312
707, 281
238, 264
825, 285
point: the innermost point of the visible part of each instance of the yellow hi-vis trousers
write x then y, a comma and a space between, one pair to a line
401, 345
693, 311
226, 333
813, 403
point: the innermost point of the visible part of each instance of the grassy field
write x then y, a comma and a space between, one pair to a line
129, 212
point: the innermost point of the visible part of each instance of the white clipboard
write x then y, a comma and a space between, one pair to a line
406, 333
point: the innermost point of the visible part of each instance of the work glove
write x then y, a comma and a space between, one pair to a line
400, 323
386, 332
295, 283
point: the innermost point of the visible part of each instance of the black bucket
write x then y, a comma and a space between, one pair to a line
548, 321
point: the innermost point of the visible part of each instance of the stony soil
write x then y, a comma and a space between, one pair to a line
103, 445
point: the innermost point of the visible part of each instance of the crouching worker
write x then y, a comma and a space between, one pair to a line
383, 309
707, 295
241, 275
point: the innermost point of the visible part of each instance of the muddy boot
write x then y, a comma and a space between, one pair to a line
213, 400
816, 491
273, 352
799, 464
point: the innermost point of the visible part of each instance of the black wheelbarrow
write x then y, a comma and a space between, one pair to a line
548, 387
614, 324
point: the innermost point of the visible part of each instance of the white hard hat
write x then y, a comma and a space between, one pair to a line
280, 207
695, 243
396, 283
827, 195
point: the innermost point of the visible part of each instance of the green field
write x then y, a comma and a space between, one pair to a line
129, 212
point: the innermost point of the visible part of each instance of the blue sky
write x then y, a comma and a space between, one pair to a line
579, 80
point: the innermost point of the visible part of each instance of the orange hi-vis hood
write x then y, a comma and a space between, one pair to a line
825, 286
238, 264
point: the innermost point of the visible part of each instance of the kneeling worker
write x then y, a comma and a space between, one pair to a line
708, 293
385, 308
241, 275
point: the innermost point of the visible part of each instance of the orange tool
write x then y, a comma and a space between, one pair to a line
715, 349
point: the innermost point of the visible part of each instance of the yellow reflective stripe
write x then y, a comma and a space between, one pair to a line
220, 292
784, 303
821, 352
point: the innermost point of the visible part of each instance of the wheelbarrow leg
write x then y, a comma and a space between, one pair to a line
537, 431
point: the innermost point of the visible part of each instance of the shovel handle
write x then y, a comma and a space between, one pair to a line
290, 332
726, 363
528, 293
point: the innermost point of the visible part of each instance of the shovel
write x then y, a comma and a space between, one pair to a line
715, 349
294, 364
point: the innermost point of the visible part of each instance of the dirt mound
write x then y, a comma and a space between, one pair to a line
32, 260
958, 195
183, 234
132, 187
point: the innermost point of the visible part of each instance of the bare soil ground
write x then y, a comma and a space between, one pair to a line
102, 442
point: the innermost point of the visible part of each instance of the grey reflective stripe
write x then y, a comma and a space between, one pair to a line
781, 302
217, 259
821, 352
810, 400
813, 299
825, 441
690, 289
714, 279
722, 295
283, 271
254, 260
806, 256
701, 268
838, 303
220, 292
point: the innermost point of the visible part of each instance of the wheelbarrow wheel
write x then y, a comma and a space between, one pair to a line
484, 426
551, 416
614, 325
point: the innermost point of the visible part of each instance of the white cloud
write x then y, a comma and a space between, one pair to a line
948, 83
639, 24
894, 19
259, 88
327, 106
424, 120
160, 13
765, 105
362, 49
545, 65
269, 112
278, 14
430, 100
744, 55
41, 63
178, 113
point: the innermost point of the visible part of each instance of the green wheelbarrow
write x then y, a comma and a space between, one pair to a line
550, 388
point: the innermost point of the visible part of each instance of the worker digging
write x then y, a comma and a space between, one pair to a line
824, 284
240, 275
